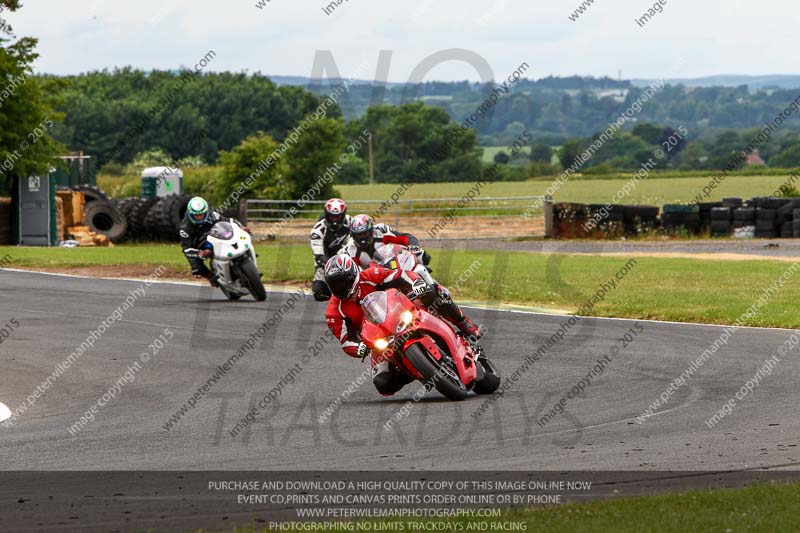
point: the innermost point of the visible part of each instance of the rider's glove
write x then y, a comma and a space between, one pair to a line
320, 260
362, 351
416, 250
204, 254
419, 288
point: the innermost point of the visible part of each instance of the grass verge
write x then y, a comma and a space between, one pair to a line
679, 289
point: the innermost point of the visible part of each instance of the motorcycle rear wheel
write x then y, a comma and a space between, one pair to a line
253, 280
435, 372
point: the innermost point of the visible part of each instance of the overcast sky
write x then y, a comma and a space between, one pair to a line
689, 38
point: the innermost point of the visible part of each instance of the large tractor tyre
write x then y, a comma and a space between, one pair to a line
91, 193
443, 377
141, 217
177, 211
153, 220
103, 217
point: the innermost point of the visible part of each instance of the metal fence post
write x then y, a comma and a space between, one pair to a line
549, 225
243, 211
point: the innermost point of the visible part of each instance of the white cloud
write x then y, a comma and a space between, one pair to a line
714, 36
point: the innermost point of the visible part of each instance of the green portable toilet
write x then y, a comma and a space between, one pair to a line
33, 214
161, 181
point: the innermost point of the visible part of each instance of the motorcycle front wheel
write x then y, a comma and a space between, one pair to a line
490, 381
443, 376
253, 279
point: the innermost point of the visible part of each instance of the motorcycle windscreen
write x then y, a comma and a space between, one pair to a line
384, 255
376, 307
222, 231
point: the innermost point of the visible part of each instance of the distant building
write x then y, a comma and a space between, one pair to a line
754, 159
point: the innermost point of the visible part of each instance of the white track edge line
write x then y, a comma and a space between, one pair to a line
273, 289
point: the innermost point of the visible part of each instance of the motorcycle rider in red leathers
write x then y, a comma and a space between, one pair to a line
344, 315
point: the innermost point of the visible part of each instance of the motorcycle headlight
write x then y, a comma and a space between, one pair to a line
381, 344
406, 317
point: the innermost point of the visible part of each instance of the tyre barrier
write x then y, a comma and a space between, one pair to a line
137, 218
764, 217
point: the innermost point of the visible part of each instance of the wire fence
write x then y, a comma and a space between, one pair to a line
440, 218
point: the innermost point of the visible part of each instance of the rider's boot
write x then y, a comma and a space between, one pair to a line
388, 379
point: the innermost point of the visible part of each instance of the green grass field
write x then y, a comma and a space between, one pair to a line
689, 290
490, 151
753, 509
655, 190
652, 191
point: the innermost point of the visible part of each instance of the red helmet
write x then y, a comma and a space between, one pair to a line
342, 276
362, 230
335, 211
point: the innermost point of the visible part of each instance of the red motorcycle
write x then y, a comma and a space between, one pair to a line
425, 346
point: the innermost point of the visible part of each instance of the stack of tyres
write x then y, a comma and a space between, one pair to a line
705, 213
607, 220
744, 217
569, 219
796, 223
640, 218
732, 203
720, 221
163, 219
681, 216
766, 225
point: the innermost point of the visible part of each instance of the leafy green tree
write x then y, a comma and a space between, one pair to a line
788, 158
354, 171
501, 158
568, 153
541, 153
247, 168
650, 133
27, 108
313, 159
418, 142
693, 157
155, 157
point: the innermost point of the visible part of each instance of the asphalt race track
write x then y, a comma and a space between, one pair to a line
596, 431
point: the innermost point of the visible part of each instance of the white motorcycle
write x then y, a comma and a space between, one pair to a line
397, 256
233, 261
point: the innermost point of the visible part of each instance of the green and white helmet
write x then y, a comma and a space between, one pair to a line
197, 210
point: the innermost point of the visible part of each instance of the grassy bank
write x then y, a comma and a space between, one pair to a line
757, 508
658, 189
688, 290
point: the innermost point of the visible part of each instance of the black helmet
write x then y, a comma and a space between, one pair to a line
342, 276
335, 211
362, 230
